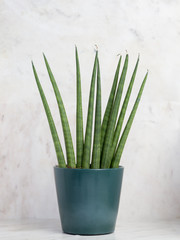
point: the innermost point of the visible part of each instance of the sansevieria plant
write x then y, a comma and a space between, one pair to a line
108, 137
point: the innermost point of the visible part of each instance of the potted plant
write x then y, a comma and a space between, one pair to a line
89, 185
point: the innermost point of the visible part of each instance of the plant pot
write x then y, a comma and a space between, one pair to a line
88, 199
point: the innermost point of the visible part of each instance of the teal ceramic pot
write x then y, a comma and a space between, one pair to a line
88, 199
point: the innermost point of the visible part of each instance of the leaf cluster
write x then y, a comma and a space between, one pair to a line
108, 137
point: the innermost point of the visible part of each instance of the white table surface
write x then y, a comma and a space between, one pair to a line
51, 230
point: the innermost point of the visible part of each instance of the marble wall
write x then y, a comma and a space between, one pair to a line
151, 187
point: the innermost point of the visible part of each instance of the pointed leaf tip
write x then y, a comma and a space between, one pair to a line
44, 57
96, 48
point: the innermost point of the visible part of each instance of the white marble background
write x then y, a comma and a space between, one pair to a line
151, 187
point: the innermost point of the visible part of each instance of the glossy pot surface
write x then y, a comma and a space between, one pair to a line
88, 199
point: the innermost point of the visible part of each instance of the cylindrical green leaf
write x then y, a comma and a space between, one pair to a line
88, 134
57, 144
123, 112
105, 161
64, 120
79, 115
97, 128
117, 157
109, 104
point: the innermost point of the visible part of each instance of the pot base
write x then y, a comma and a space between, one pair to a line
85, 234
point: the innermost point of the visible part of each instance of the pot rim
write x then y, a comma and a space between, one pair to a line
89, 169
